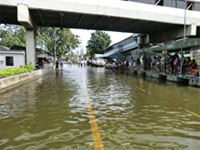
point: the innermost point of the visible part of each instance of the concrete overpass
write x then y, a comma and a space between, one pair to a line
158, 22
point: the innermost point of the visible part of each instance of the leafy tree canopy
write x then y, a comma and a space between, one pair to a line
11, 35
99, 40
55, 40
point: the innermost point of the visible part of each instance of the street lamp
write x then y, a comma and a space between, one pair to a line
55, 45
184, 31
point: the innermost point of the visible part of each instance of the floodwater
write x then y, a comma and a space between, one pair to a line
86, 108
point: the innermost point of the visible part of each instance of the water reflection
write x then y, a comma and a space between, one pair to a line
132, 112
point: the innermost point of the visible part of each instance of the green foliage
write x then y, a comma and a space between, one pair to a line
57, 41
12, 35
15, 71
53, 39
198, 62
29, 67
99, 40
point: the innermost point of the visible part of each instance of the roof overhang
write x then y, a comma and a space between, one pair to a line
172, 47
113, 54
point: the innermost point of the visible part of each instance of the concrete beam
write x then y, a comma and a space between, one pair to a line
191, 30
120, 9
23, 16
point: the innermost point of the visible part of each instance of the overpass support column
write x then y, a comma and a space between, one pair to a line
30, 47
27, 21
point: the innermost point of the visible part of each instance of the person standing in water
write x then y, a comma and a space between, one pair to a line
61, 64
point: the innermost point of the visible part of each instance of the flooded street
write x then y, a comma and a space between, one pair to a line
95, 108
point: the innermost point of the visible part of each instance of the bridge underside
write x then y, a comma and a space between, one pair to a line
8, 15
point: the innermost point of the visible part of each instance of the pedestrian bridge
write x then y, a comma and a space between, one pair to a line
95, 14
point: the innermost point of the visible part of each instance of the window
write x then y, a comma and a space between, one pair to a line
159, 2
190, 6
9, 61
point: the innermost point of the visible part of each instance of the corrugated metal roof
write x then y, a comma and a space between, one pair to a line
4, 47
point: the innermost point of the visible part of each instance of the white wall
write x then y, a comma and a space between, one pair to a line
42, 55
18, 58
195, 53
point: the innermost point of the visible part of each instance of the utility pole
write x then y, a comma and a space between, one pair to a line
55, 45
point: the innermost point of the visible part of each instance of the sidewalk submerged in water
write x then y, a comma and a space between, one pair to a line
14, 80
194, 81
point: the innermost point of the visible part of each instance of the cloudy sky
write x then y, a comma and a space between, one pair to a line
85, 34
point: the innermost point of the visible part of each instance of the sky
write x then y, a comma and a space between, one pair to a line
85, 36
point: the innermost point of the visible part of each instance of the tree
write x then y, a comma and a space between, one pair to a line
12, 35
99, 40
57, 41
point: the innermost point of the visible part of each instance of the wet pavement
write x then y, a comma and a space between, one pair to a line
86, 108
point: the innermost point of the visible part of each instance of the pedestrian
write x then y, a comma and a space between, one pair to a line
149, 63
138, 63
184, 64
172, 62
127, 64
193, 66
132, 61
81, 63
153, 63
157, 65
61, 64
56, 64
176, 64
189, 63
113, 65
68, 62
145, 61
168, 64
162, 61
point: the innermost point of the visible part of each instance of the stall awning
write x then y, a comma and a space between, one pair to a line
115, 55
172, 47
178, 45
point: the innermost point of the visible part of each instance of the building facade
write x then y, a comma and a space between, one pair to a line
182, 4
11, 59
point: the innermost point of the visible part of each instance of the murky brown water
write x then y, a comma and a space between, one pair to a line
132, 113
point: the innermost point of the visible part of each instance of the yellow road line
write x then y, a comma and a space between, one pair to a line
93, 124
140, 89
192, 113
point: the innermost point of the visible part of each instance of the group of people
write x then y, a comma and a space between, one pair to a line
170, 64
174, 63
61, 64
